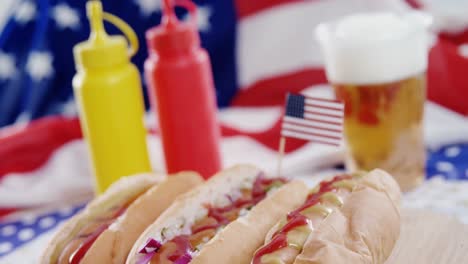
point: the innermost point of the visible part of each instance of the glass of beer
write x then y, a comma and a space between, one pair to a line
377, 65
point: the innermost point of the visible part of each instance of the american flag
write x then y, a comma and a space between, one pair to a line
315, 119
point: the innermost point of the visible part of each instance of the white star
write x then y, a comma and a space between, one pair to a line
7, 66
69, 108
23, 118
39, 65
148, 7
463, 50
66, 17
26, 12
203, 18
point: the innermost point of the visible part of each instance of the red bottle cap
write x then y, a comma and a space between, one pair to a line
174, 36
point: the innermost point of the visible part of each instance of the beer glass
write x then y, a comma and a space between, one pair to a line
377, 65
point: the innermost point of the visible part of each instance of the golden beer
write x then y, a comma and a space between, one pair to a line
376, 63
383, 128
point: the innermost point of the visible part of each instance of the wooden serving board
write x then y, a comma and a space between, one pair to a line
430, 238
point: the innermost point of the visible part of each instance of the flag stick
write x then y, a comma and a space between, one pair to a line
282, 145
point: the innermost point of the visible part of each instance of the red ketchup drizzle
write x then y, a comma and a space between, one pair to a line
278, 241
80, 252
280, 238
296, 219
259, 191
217, 214
327, 186
311, 201
243, 203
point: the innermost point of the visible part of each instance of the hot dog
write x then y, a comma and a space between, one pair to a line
348, 219
107, 228
221, 221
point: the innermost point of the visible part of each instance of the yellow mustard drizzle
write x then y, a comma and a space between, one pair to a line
298, 236
317, 209
271, 259
347, 184
359, 174
332, 198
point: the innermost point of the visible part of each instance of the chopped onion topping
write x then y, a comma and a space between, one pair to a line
151, 246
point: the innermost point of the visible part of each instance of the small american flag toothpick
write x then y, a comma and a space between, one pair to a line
310, 118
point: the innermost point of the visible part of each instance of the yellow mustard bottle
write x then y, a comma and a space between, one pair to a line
108, 91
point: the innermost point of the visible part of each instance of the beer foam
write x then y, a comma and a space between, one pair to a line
372, 48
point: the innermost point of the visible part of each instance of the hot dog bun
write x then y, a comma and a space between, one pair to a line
146, 197
237, 241
364, 230
358, 222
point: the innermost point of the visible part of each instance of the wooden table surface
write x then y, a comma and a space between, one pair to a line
430, 238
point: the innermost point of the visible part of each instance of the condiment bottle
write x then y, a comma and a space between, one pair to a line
108, 91
182, 93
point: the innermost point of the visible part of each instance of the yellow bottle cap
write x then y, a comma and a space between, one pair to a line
102, 50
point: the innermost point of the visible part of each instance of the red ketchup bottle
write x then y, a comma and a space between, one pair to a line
181, 89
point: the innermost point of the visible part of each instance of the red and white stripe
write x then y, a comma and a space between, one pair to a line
276, 51
322, 122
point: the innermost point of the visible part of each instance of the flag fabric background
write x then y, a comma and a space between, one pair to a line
259, 50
